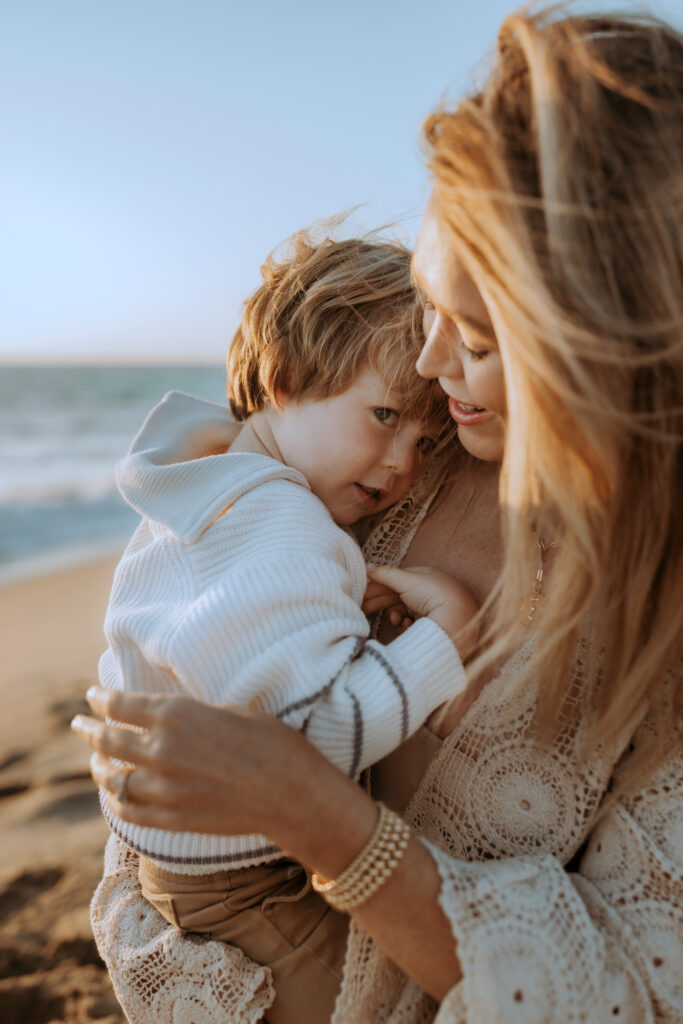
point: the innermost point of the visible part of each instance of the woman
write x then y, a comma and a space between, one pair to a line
547, 882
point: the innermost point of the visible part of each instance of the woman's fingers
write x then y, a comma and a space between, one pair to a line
133, 708
112, 741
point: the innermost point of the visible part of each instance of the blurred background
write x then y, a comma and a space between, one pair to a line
154, 152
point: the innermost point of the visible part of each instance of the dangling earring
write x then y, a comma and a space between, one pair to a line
530, 610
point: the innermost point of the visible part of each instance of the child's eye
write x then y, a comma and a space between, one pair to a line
426, 445
388, 416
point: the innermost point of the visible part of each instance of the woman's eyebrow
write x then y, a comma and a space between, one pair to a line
485, 329
476, 325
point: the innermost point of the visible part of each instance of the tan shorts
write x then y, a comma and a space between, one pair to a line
274, 916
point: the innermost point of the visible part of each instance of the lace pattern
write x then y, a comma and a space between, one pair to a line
537, 943
158, 973
162, 975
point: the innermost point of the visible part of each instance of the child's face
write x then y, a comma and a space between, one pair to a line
356, 451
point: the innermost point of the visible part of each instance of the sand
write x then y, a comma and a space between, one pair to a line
50, 823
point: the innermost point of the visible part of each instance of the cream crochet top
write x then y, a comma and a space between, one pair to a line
556, 919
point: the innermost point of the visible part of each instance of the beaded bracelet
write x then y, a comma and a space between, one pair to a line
370, 869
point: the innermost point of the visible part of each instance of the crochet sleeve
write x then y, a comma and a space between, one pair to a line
160, 974
538, 943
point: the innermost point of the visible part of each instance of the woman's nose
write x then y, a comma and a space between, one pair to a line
439, 357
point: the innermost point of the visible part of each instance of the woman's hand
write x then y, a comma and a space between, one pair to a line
207, 768
201, 768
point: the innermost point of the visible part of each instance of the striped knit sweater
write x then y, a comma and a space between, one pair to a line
238, 587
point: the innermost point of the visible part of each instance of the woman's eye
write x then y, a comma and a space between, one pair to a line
473, 353
426, 445
388, 416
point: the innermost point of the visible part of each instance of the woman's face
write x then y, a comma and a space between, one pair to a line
461, 348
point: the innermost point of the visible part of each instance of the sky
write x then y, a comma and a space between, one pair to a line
155, 151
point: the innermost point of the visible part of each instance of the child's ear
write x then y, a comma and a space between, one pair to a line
281, 398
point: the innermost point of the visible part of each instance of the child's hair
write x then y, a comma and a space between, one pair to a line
561, 183
325, 309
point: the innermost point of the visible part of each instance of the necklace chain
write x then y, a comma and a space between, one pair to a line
531, 609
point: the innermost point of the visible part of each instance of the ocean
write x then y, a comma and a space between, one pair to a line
62, 430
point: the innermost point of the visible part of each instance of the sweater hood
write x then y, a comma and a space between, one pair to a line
179, 473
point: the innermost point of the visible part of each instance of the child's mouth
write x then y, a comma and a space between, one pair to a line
369, 495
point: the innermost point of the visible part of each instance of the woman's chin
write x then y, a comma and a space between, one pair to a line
485, 441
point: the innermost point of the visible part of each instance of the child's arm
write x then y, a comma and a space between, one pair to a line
426, 591
280, 631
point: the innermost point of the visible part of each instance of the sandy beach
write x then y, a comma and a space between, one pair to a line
52, 831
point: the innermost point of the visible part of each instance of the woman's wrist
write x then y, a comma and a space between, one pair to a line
334, 821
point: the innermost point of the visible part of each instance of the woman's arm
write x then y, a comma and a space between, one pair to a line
279, 785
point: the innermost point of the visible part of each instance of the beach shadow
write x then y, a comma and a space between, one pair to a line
16, 757
29, 1003
26, 887
72, 807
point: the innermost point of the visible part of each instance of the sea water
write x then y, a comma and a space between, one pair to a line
62, 430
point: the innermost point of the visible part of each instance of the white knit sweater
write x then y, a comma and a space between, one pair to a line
543, 934
238, 587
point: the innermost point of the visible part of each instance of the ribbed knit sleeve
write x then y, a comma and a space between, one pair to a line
283, 634
263, 610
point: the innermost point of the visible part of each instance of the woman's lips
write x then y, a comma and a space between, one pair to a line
465, 414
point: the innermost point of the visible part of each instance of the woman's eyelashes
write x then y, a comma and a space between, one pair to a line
472, 353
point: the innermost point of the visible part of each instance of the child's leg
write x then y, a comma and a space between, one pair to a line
274, 917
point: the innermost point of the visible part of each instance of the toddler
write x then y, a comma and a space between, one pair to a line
244, 585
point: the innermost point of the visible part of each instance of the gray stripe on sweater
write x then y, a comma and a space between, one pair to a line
224, 860
378, 656
304, 702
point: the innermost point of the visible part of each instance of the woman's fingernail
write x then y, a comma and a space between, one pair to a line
77, 722
91, 692
371, 566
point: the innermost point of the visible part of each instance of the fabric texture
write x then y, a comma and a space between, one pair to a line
238, 586
275, 917
558, 913
557, 916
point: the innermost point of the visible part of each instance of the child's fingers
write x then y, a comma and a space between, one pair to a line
398, 616
375, 589
381, 602
399, 580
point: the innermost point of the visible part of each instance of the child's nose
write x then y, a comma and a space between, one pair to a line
401, 456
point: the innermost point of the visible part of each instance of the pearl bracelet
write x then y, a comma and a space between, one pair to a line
370, 869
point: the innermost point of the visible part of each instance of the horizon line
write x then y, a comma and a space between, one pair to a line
141, 361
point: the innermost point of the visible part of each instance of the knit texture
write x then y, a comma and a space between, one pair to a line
238, 587
544, 933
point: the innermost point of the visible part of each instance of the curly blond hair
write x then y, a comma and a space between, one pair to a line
325, 310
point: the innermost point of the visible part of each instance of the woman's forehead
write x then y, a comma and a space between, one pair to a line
441, 275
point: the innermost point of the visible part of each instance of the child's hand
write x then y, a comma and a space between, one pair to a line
379, 597
431, 592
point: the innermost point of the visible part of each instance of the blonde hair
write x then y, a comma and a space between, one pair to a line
325, 310
561, 182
